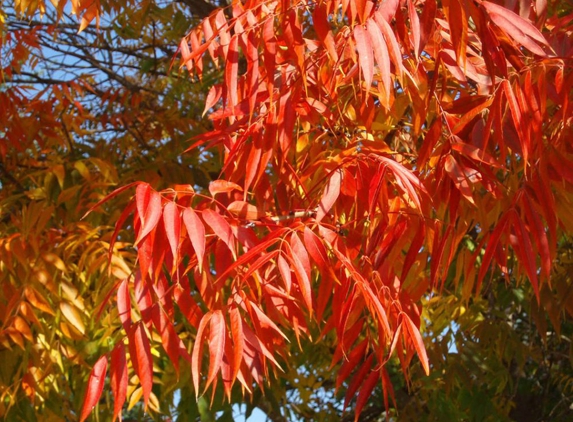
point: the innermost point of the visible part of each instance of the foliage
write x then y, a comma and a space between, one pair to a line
376, 181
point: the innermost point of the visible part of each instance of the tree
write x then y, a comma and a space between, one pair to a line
384, 172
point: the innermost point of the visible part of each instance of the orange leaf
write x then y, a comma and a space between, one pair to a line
223, 186
197, 354
414, 334
245, 210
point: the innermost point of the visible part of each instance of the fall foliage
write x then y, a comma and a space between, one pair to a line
327, 210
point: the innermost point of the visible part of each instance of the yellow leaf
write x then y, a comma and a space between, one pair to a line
82, 169
74, 316
55, 260
135, 397
71, 293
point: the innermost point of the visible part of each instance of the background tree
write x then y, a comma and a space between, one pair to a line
384, 169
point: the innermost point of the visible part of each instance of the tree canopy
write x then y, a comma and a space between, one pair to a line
327, 210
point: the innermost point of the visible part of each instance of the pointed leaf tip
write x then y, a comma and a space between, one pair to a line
95, 387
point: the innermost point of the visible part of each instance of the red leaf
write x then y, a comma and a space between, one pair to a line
300, 269
264, 321
252, 165
254, 250
391, 41
231, 70
353, 359
538, 231
196, 232
221, 228
387, 388
124, 304
457, 173
252, 70
118, 378
285, 271
322, 28
365, 56
458, 29
415, 28
518, 120
119, 224
413, 251
427, 22
213, 97
189, 56
406, 179
143, 297
382, 58
169, 338
491, 247
387, 9
527, 255
301, 253
95, 387
331, 193
358, 380
431, 139
373, 301
470, 115
172, 224
140, 352
316, 249
475, 153
110, 196
187, 305
148, 208
217, 334
258, 345
365, 393
415, 336
521, 30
